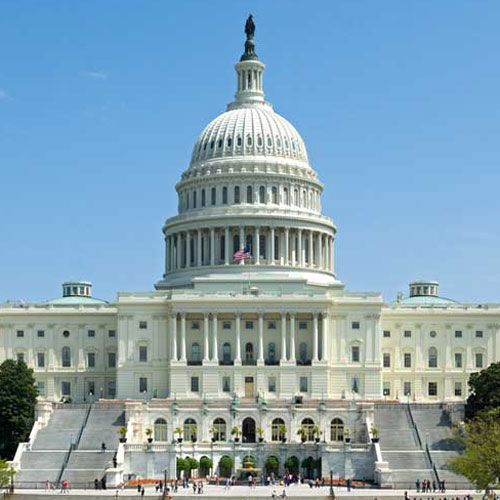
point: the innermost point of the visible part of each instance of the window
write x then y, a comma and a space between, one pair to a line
160, 430
308, 425
479, 334
458, 334
226, 325
91, 333
143, 325
407, 360
249, 351
41, 388
286, 196
40, 333
111, 360
195, 197
203, 197
433, 334
355, 325
274, 194
111, 388
407, 388
20, 356
111, 334
432, 389
224, 195
91, 359
271, 352
40, 359
195, 325
433, 358
195, 352
190, 428
219, 429
271, 325
355, 384
303, 384
20, 333
303, 352
239, 141
337, 430
458, 360
212, 196
479, 360
143, 354
249, 194
66, 357
278, 429
407, 334
387, 360
458, 388
387, 333
355, 353
91, 387
143, 384
237, 194
226, 352
262, 194
229, 142
249, 325
271, 384
66, 388
387, 388
302, 325
195, 384
226, 384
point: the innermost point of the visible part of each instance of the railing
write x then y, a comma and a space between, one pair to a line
82, 427
272, 362
64, 464
414, 425
226, 362
304, 362
194, 363
249, 362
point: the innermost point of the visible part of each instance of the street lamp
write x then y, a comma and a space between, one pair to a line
332, 493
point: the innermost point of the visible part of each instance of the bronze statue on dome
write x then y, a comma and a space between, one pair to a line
250, 27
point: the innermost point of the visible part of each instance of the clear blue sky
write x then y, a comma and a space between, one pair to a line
101, 102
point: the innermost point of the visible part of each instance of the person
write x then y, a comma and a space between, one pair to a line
47, 485
228, 483
250, 480
138, 487
273, 494
142, 491
96, 484
115, 463
348, 484
417, 484
407, 497
283, 495
103, 447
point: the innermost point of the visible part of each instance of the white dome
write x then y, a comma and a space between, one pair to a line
254, 130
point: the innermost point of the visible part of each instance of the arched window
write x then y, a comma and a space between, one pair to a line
308, 426
249, 243
262, 244
239, 141
303, 352
224, 195
226, 352
249, 194
249, 351
219, 429
274, 192
278, 429
433, 357
286, 197
278, 142
187, 201
262, 194
66, 357
269, 141
296, 197
236, 194
195, 352
202, 197
194, 199
259, 141
229, 142
236, 243
190, 429
337, 430
271, 352
249, 140
213, 196
160, 430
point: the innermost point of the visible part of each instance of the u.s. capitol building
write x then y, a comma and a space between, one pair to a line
272, 345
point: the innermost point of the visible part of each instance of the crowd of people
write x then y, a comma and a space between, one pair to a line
427, 486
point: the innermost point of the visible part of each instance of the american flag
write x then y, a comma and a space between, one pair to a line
242, 254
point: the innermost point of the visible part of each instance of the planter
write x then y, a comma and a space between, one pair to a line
283, 440
150, 440
375, 440
122, 439
261, 440
236, 440
317, 440
194, 439
303, 439
179, 440
213, 440
347, 440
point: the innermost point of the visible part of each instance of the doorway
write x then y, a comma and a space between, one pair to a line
248, 430
249, 387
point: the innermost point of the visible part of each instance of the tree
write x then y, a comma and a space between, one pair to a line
191, 464
272, 465
181, 466
225, 466
484, 389
205, 465
479, 462
18, 395
292, 465
6, 474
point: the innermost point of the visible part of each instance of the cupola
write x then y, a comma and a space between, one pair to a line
77, 289
424, 288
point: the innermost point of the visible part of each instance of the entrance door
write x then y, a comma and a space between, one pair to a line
249, 387
248, 430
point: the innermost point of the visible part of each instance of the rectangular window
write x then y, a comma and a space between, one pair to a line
302, 325
195, 325
143, 325
91, 333
407, 334
111, 334
387, 389
249, 325
143, 354
143, 384
407, 360
387, 360
20, 356
226, 384
271, 325
91, 388
40, 359
111, 388
355, 325
458, 334
387, 333
91, 359
432, 389
40, 333
303, 384
226, 325
195, 384
66, 388
458, 388
41, 388
271, 384
458, 360
479, 334
407, 388
355, 353
111, 360
20, 333
479, 360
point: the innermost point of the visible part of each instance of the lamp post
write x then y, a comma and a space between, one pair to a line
332, 493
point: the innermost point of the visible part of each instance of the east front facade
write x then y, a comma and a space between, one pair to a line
249, 336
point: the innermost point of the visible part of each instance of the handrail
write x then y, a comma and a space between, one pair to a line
433, 467
64, 464
414, 425
82, 427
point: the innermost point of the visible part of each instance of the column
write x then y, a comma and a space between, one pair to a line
226, 247
257, 246
271, 257
320, 250
283, 338
332, 263
212, 246
188, 249
260, 359
198, 247
177, 251
324, 336
237, 359
206, 348
300, 257
286, 251
330, 253
183, 337
242, 242
292, 337
311, 249
173, 332
215, 352
368, 339
167, 249
293, 256
315, 337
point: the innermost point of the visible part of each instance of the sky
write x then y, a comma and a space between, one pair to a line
101, 103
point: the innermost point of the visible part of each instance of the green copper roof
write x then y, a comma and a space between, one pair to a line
426, 300
76, 300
